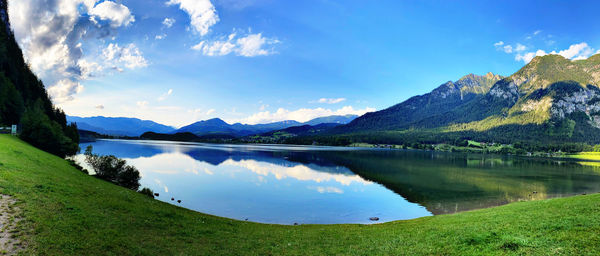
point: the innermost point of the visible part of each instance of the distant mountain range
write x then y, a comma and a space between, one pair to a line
118, 126
122, 126
219, 126
550, 100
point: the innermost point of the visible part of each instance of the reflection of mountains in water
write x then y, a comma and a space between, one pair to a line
285, 159
442, 182
447, 183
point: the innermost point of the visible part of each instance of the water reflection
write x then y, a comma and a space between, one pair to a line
260, 184
287, 184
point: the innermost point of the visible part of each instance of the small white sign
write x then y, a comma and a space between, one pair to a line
13, 131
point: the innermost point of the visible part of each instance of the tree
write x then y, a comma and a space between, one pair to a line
113, 169
40, 131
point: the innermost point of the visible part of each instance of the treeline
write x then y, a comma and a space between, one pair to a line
25, 101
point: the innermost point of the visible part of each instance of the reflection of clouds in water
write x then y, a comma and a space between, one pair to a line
327, 190
299, 172
170, 163
166, 163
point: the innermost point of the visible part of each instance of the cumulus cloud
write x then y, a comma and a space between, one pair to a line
203, 14
168, 22
329, 100
53, 33
160, 37
129, 56
210, 111
117, 14
574, 52
300, 115
65, 89
250, 45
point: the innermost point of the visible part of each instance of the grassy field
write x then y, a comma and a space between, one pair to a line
592, 156
68, 213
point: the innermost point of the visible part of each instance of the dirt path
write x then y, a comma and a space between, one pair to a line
9, 241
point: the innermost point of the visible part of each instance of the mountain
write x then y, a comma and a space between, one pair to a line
118, 126
218, 126
279, 136
550, 100
446, 97
332, 120
214, 125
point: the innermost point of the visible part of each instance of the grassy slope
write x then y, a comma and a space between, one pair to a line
68, 212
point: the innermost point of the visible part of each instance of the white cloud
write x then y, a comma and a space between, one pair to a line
129, 56
535, 33
574, 52
165, 95
520, 47
53, 35
250, 45
202, 13
203, 16
501, 46
577, 51
210, 111
99, 106
329, 100
168, 22
300, 115
64, 90
527, 57
160, 37
253, 45
117, 14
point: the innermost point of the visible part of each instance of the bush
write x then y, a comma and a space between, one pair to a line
77, 166
113, 169
147, 191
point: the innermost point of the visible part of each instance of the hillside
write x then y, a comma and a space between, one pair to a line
24, 100
66, 212
550, 100
119, 126
218, 126
444, 98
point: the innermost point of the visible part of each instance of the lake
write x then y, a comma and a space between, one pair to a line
326, 185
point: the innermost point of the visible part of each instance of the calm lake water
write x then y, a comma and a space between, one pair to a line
304, 184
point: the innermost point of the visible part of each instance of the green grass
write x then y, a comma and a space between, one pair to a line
68, 213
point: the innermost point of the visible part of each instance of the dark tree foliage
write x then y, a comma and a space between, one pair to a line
25, 101
46, 134
113, 169
148, 192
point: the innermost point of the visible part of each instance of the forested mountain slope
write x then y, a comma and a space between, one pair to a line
24, 100
551, 99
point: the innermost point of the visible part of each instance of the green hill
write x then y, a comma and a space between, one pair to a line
550, 100
65, 212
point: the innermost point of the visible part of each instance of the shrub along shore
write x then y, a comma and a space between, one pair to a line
66, 212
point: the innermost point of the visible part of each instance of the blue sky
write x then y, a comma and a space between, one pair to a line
180, 61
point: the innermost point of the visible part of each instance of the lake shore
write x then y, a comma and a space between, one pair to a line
66, 212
